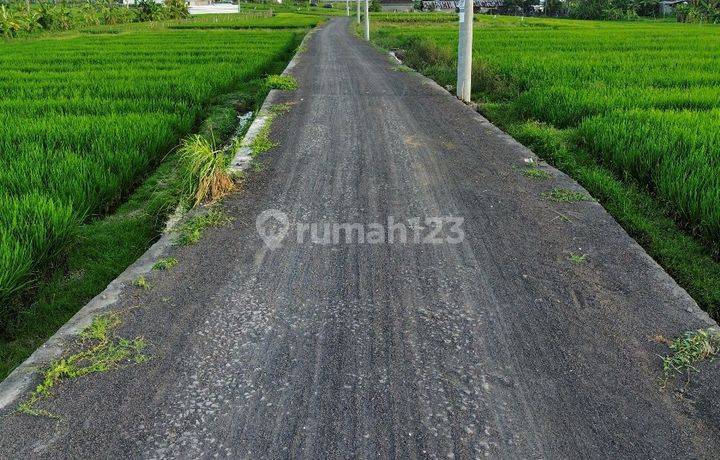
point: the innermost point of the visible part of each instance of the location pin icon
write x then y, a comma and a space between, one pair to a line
272, 226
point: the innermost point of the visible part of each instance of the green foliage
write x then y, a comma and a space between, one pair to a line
147, 10
165, 264
203, 170
534, 172
190, 232
700, 11
142, 283
281, 82
16, 19
83, 118
175, 9
262, 142
375, 6
99, 352
689, 350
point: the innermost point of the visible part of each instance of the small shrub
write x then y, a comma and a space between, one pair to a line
204, 170
281, 82
689, 350
165, 264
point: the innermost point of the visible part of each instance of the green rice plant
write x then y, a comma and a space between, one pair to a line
242, 21
83, 118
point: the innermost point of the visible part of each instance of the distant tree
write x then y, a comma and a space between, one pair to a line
699, 11
645, 7
555, 8
589, 9
375, 6
524, 7
146, 10
176, 9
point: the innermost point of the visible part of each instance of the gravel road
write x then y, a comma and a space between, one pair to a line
484, 340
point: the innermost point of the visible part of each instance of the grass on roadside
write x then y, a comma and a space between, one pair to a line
99, 351
689, 350
562, 195
281, 82
534, 172
165, 264
262, 142
190, 232
577, 258
204, 170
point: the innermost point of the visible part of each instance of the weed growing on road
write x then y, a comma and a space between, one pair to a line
689, 350
279, 109
165, 264
281, 82
192, 230
262, 142
534, 172
563, 195
141, 282
257, 166
577, 258
100, 352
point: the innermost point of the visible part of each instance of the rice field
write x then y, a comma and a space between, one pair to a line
643, 98
249, 21
84, 116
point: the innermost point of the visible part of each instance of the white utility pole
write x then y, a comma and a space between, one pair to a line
465, 43
347, 7
367, 20
357, 3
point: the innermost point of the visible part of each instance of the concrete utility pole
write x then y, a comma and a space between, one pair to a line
347, 7
367, 20
465, 42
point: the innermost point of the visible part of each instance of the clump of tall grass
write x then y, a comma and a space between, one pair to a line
204, 172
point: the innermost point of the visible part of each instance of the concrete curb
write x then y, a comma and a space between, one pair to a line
22, 378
